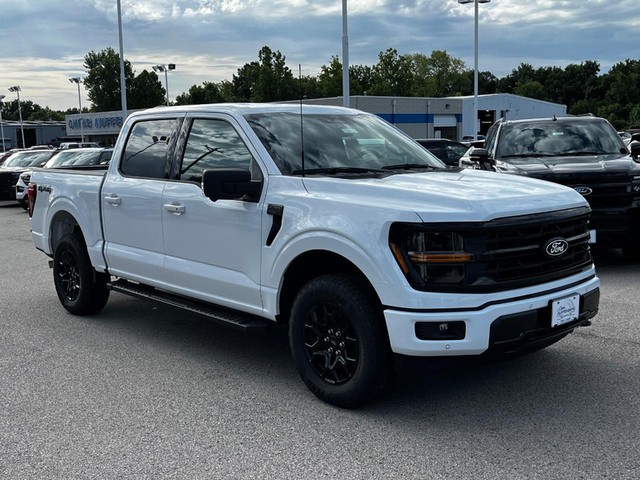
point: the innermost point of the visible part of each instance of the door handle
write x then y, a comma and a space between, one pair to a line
113, 200
175, 208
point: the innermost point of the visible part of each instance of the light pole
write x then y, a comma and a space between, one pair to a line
78, 80
1, 124
123, 80
345, 56
17, 89
475, 63
165, 69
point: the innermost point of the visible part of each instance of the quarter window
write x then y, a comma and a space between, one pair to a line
214, 144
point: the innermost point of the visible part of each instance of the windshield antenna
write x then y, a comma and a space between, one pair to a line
301, 120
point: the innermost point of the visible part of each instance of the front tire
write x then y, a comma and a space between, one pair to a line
81, 290
339, 342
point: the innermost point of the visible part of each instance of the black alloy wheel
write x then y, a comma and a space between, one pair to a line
339, 341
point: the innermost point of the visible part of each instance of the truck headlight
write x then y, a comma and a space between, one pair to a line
428, 257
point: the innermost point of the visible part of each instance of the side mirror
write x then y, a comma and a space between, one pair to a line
230, 184
478, 159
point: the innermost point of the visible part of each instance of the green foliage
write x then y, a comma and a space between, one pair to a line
267, 80
208, 92
145, 91
103, 79
613, 95
103, 83
440, 75
392, 75
46, 114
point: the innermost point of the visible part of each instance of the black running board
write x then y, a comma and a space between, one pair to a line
238, 320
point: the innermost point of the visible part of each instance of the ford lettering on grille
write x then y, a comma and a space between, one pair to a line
556, 247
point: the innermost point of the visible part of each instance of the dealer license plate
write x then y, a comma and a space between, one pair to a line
565, 310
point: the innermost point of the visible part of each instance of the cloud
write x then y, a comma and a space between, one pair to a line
209, 40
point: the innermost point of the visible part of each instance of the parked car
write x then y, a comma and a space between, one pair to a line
469, 138
67, 145
16, 164
582, 152
5, 155
76, 157
80, 157
446, 150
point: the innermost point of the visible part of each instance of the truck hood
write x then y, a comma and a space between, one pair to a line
450, 195
542, 167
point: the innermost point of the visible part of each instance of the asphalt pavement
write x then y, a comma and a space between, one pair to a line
146, 391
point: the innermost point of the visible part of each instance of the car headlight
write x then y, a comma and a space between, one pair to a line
427, 256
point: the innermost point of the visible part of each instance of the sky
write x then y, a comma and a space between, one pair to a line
43, 42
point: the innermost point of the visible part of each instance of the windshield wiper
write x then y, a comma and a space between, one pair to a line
530, 154
577, 154
410, 166
336, 170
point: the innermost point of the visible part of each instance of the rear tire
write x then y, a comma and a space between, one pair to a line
81, 290
339, 342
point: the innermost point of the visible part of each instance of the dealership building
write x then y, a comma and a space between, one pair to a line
420, 117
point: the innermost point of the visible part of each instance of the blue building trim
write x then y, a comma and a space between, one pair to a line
397, 118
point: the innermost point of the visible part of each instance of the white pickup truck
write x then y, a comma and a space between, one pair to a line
328, 220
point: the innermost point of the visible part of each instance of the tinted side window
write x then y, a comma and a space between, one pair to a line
146, 153
214, 144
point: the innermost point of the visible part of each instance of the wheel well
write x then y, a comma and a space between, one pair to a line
311, 265
63, 223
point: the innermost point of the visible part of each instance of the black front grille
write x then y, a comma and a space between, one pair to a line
517, 251
607, 190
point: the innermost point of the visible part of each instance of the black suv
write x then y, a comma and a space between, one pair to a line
582, 152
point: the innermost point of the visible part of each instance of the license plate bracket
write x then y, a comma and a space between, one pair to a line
565, 310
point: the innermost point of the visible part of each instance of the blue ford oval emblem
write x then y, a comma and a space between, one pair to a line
556, 247
583, 190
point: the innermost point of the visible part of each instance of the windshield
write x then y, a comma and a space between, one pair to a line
333, 144
29, 159
558, 138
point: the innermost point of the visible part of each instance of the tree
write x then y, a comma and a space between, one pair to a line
531, 89
208, 92
439, 75
10, 109
267, 80
393, 74
103, 79
46, 114
145, 91
330, 78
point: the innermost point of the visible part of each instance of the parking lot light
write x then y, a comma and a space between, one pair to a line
475, 63
17, 89
165, 69
78, 80
1, 124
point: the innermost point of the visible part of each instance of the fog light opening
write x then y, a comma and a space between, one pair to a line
456, 330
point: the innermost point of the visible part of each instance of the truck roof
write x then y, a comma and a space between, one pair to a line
251, 108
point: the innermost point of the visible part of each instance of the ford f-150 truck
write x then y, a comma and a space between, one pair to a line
328, 220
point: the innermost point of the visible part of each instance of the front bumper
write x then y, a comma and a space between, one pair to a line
506, 326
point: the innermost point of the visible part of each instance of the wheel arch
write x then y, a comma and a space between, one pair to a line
62, 223
312, 264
